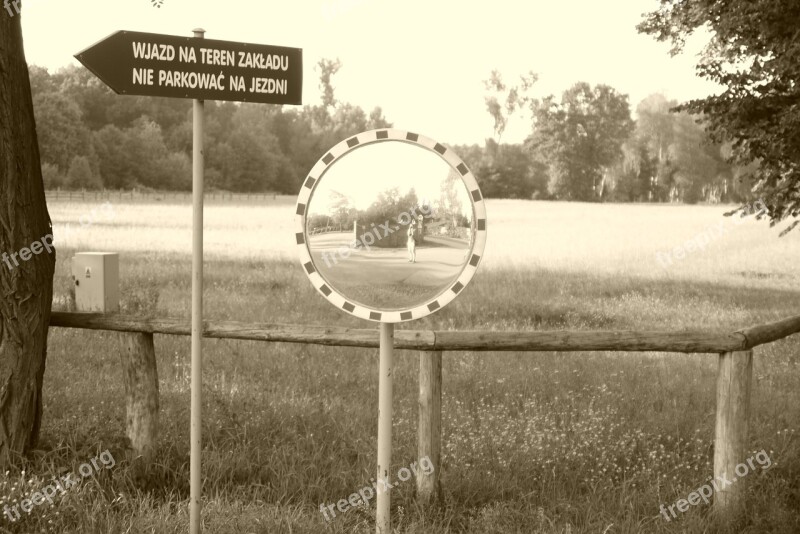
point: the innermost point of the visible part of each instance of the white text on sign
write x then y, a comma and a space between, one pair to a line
209, 56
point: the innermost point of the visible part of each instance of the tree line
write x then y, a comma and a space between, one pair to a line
584, 145
90, 138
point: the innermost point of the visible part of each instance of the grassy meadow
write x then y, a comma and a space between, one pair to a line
532, 442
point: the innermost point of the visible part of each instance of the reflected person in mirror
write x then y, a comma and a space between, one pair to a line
412, 243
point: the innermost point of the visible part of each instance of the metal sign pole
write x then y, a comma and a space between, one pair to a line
197, 314
383, 519
136, 63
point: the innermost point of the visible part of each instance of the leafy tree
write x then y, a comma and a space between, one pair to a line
247, 163
249, 157
386, 207
513, 98
580, 138
146, 142
508, 172
117, 165
472, 155
647, 171
300, 145
377, 119
327, 68
656, 131
700, 171
153, 164
753, 53
344, 213
94, 98
80, 175
633, 176
505, 170
61, 131
41, 81
53, 179
138, 157
320, 116
176, 169
450, 206
670, 157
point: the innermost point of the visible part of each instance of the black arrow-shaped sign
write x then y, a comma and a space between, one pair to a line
147, 64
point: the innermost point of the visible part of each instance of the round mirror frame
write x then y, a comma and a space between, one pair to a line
478, 238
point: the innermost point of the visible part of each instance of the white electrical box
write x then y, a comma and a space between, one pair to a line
96, 278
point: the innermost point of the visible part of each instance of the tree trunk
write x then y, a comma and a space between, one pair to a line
26, 286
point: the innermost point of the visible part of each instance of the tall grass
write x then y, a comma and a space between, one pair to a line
532, 442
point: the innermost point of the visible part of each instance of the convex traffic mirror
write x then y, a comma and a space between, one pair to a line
391, 225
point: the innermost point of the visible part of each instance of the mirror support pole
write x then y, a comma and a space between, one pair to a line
196, 448
383, 520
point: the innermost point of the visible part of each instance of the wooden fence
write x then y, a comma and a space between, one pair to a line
184, 196
733, 376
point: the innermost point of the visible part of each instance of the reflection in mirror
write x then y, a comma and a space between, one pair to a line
390, 225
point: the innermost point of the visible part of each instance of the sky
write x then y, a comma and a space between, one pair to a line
423, 62
362, 175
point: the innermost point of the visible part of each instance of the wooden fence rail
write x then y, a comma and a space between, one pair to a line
732, 388
694, 341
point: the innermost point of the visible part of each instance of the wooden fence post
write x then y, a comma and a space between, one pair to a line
429, 489
141, 393
734, 377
